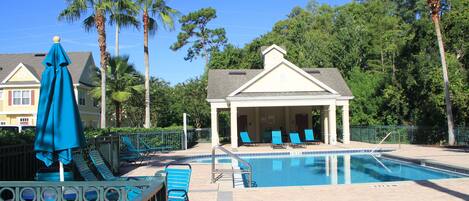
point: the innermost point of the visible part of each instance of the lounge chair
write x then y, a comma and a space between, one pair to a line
309, 137
178, 178
133, 193
151, 148
133, 153
246, 139
277, 139
107, 174
295, 140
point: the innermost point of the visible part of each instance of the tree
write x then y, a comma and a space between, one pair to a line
123, 14
190, 98
435, 7
98, 10
123, 83
195, 31
165, 15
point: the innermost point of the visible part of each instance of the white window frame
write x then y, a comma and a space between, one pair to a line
1, 95
81, 97
3, 123
21, 98
28, 122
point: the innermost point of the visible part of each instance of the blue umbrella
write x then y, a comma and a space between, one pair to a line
58, 125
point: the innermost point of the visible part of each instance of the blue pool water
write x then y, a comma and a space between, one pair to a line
332, 169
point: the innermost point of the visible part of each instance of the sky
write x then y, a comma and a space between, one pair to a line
27, 26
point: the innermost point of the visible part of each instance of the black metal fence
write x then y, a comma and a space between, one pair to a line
407, 134
18, 162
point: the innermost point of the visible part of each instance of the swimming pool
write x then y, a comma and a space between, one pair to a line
306, 170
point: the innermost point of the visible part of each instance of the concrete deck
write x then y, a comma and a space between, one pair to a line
446, 189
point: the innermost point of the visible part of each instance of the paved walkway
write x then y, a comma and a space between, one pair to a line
201, 188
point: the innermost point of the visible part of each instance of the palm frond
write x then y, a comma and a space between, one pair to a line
74, 10
89, 23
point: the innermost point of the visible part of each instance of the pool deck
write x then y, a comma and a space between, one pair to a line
444, 189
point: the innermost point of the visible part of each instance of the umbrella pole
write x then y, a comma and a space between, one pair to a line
61, 171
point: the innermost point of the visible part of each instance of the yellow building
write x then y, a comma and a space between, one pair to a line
20, 76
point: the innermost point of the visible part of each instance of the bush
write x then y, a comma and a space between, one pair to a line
94, 132
13, 138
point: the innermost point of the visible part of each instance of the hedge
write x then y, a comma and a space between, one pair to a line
27, 137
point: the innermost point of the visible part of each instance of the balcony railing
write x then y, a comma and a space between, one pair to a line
82, 190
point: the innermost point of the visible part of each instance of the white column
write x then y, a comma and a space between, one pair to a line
345, 124
234, 126
214, 129
258, 126
332, 125
347, 175
326, 125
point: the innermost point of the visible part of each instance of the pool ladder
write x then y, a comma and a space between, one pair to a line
218, 173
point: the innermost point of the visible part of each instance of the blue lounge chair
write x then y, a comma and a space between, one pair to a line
246, 139
107, 174
277, 139
178, 178
134, 154
151, 148
133, 193
309, 136
295, 140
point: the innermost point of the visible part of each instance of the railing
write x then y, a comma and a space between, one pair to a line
221, 171
82, 190
408, 134
18, 162
172, 140
381, 142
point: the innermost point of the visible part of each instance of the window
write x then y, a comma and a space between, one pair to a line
81, 97
24, 120
2, 123
22, 97
1, 94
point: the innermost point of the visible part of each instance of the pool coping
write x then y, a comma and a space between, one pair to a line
287, 153
430, 163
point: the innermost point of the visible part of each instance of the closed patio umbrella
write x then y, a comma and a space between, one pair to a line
58, 124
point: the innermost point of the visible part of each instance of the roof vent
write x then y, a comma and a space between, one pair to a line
313, 71
40, 55
236, 73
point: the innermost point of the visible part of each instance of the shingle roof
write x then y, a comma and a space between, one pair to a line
81, 61
221, 83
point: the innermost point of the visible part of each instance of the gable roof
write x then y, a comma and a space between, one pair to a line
222, 83
17, 68
288, 65
81, 61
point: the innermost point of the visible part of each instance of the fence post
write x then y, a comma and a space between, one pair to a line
184, 120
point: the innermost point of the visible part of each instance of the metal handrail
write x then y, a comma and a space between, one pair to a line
381, 142
229, 153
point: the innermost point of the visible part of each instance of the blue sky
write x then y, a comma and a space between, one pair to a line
29, 25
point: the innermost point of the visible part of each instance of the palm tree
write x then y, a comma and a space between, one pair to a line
98, 10
435, 6
123, 14
166, 16
123, 82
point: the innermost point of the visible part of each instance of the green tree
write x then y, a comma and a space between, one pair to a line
195, 31
98, 10
123, 14
123, 83
190, 98
165, 16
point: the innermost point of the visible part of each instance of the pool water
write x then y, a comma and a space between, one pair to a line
307, 170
